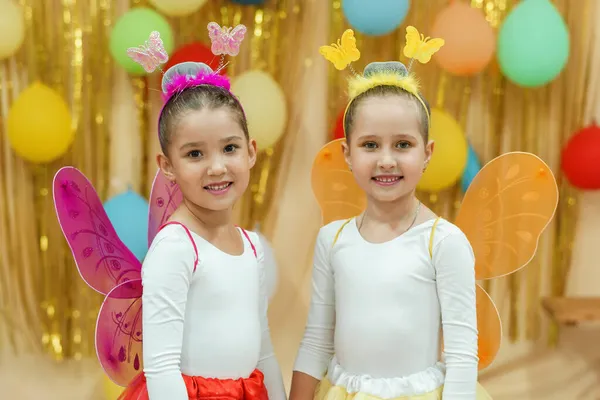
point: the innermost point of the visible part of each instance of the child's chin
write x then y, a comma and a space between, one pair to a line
387, 196
221, 205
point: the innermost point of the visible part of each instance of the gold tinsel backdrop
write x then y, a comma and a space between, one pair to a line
45, 307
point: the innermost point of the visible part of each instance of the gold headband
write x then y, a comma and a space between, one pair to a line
344, 52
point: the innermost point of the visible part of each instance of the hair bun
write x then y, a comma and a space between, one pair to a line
188, 68
394, 67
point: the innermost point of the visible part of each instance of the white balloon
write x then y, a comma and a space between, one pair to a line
12, 28
177, 8
270, 265
264, 104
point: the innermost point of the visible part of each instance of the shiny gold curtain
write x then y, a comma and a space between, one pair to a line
65, 46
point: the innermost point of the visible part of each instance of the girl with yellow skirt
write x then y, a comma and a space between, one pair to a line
391, 278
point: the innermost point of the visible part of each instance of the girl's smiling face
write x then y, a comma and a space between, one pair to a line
386, 148
210, 158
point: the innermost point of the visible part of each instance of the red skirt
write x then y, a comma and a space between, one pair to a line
199, 388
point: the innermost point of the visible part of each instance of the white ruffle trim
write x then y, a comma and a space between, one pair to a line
388, 388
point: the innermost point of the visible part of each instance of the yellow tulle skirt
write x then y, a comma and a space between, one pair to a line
326, 391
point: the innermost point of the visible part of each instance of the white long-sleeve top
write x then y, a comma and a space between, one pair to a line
379, 308
211, 322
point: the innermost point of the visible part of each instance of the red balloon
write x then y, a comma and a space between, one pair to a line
197, 52
581, 158
338, 132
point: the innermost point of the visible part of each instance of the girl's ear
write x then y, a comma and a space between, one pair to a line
252, 150
346, 150
428, 153
165, 166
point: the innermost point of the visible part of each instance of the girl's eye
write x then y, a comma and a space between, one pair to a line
404, 145
370, 145
230, 148
194, 154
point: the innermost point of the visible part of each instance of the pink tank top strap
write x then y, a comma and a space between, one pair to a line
249, 241
189, 235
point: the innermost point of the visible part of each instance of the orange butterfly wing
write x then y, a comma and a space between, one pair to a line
505, 210
489, 327
503, 214
337, 193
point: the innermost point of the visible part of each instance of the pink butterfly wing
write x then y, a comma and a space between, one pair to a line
101, 257
214, 30
119, 332
165, 197
157, 48
234, 40
218, 37
232, 48
143, 58
238, 33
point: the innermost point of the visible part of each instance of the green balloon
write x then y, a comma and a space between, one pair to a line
132, 30
533, 43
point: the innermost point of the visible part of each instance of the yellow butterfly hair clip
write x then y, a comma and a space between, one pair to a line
342, 53
390, 73
420, 48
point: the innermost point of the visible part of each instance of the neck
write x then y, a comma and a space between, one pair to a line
208, 221
392, 212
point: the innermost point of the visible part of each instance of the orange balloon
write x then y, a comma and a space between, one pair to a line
470, 40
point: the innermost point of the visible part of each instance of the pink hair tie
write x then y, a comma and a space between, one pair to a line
190, 74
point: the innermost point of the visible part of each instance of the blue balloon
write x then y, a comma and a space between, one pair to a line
249, 2
375, 17
128, 212
471, 169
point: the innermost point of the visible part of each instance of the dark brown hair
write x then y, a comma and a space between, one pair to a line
196, 98
383, 91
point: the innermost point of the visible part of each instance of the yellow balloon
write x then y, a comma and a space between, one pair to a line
12, 28
177, 8
264, 104
449, 153
112, 391
39, 124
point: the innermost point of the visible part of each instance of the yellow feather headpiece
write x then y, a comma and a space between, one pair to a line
393, 73
360, 84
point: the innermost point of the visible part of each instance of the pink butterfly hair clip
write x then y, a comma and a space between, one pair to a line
225, 40
151, 54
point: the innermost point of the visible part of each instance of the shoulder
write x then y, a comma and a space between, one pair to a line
173, 242
447, 235
334, 226
253, 237
256, 243
171, 259
445, 228
328, 232
255, 240
260, 244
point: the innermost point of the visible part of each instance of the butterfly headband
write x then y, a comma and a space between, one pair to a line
224, 41
392, 73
